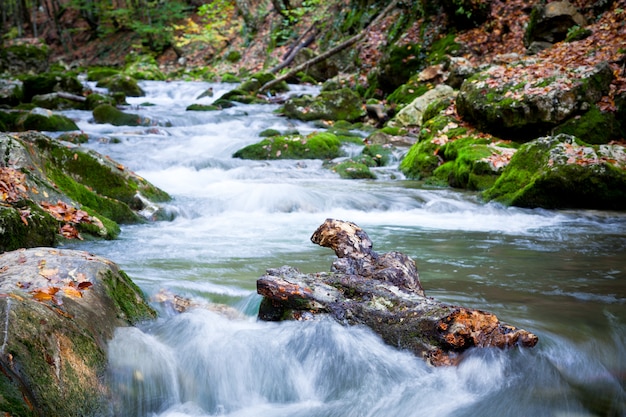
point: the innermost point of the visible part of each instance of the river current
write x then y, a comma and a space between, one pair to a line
558, 274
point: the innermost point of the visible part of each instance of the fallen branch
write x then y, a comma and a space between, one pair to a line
331, 52
383, 292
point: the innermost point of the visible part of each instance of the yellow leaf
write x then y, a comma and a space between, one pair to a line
72, 292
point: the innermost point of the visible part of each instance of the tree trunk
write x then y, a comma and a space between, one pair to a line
383, 292
330, 52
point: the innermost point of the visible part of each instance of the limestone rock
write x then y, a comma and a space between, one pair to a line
59, 309
49, 187
526, 99
563, 172
342, 104
411, 115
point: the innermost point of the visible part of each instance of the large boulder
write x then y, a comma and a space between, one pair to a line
107, 113
383, 292
411, 114
342, 104
11, 92
526, 99
51, 189
122, 83
550, 23
24, 56
51, 82
59, 309
563, 172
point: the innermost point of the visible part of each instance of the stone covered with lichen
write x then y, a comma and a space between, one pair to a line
313, 146
51, 190
342, 104
59, 309
526, 99
563, 172
450, 153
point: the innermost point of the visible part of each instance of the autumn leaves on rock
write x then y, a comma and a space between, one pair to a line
383, 292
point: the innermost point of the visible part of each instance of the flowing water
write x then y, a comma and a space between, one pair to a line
559, 274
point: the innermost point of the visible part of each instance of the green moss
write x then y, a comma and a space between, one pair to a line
540, 175
47, 123
441, 48
41, 229
95, 99
99, 73
352, 169
123, 84
315, 146
128, 297
202, 107
380, 154
420, 161
230, 78
406, 93
50, 82
269, 133
106, 113
343, 104
595, 127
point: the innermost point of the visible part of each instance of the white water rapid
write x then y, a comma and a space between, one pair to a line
558, 274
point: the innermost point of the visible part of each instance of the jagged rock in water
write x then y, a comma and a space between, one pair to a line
384, 293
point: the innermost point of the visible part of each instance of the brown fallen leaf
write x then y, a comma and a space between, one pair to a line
71, 291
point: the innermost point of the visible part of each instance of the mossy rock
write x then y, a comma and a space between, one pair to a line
202, 107
99, 73
57, 345
22, 58
145, 68
53, 101
122, 83
74, 137
269, 133
50, 82
44, 120
353, 169
594, 126
106, 113
399, 64
96, 99
55, 173
343, 104
408, 92
240, 96
256, 81
314, 146
563, 172
525, 110
11, 92
467, 165
37, 229
380, 154
230, 78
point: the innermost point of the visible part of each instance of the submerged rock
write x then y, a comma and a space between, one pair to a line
59, 309
383, 292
